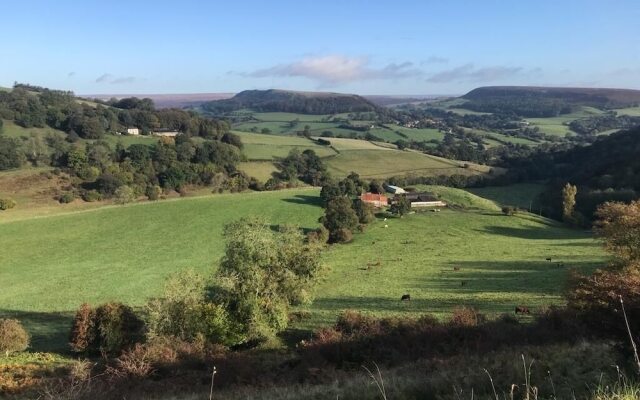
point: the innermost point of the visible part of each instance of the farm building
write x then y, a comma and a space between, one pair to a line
133, 131
378, 200
165, 132
421, 200
393, 189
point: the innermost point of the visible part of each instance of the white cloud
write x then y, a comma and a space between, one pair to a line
109, 78
335, 69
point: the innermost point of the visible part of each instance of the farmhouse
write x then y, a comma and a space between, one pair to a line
393, 189
377, 200
422, 200
133, 131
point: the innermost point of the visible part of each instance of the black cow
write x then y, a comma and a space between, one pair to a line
405, 297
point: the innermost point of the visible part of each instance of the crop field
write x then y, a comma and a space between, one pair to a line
50, 265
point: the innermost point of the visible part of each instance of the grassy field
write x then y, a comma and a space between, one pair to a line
260, 170
49, 265
10, 129
559, 126
380, 160
266, 147
632, 111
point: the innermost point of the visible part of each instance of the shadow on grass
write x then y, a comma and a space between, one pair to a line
305, 199
534, 233
49, 330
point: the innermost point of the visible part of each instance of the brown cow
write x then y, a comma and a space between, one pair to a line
456, 268
405, 297
522, 310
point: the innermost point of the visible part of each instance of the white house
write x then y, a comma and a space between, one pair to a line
133, 131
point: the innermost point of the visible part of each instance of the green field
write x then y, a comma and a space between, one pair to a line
559, 126
381, 160
49, 265
260, 170
632, 111
266, 147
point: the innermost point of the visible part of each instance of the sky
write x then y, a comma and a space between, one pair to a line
367, 47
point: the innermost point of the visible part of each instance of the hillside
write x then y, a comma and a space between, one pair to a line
274, 100
140, 244
531, 101
603, 97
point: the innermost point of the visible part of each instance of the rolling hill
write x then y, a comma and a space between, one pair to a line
597, 97
531, 101
274, 100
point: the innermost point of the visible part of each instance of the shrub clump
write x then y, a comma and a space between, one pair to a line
109, 328
509, 210
13, 337
6, 204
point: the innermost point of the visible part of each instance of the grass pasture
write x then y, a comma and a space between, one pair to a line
258, 147
631, 111
50, 265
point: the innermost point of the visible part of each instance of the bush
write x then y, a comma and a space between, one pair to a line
117, 327
91, 196
109, 328
6, 204
83, 333
320, 235
184, 312
342, 235
124, 194
153, 192
509, 210
13, 337
66, 198
466, 316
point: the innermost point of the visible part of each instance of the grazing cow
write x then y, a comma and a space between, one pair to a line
463, 283
456, 268
548, 259
405, 297
522, 310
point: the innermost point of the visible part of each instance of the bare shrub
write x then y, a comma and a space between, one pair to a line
13, 337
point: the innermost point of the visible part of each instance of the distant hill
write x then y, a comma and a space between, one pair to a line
391, 100
175, 100
531, 101
274, 100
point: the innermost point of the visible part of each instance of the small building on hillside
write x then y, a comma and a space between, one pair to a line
393, 189
377, 200
165, 132
133, 131
422, 200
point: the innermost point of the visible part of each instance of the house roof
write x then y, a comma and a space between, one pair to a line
373, 197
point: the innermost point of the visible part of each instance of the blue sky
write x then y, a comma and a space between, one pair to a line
366, 47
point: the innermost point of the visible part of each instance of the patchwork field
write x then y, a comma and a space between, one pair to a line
49, 265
